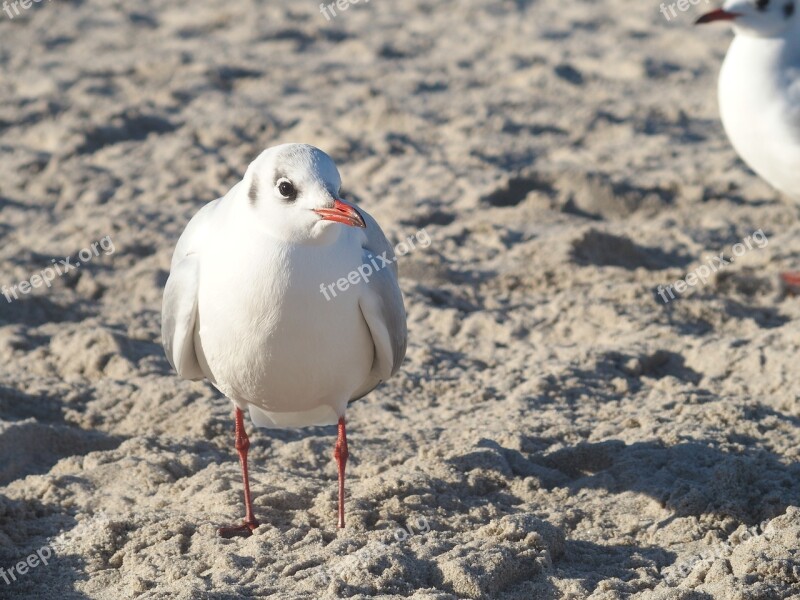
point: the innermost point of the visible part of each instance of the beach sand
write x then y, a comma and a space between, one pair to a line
557, 430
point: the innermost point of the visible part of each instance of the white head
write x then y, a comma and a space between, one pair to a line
757, 18
293, 191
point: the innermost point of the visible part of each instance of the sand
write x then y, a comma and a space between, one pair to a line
557, 429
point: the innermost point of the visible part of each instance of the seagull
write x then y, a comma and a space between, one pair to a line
249, 304
759, 91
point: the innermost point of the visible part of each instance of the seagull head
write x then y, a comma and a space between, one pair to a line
756, 18
293, 189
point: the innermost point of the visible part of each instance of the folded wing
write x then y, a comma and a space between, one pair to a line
179, 310
381, 304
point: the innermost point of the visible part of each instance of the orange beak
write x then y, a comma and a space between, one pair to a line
717, 15
342, 213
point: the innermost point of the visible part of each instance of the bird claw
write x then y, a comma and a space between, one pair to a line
244, 530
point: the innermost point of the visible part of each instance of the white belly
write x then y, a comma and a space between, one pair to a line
270, 339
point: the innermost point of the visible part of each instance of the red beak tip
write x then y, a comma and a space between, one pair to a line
343, 213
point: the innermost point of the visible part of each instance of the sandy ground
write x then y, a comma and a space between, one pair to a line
557, 430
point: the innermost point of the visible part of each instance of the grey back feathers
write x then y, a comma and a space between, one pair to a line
383, 308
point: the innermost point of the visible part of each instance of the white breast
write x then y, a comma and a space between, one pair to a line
757, 111
269, 337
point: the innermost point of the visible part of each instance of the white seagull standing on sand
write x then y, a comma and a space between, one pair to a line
759, 91
245, 305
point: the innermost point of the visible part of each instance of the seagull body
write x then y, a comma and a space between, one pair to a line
266, 369
759, 88
245, 308
759, 92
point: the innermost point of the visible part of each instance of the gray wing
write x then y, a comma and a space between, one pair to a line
179, 310
382, 306
793, 102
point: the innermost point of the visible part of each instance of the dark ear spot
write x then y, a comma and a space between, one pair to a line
788, 9
252, 193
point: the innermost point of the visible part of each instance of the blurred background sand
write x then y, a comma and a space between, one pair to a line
560, 431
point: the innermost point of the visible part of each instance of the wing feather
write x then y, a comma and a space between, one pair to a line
382, 306
179, 309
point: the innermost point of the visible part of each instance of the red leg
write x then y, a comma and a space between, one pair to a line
242, 446
341, 454
791, 281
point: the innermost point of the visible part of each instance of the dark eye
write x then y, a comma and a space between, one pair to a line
762, 4
287, 189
